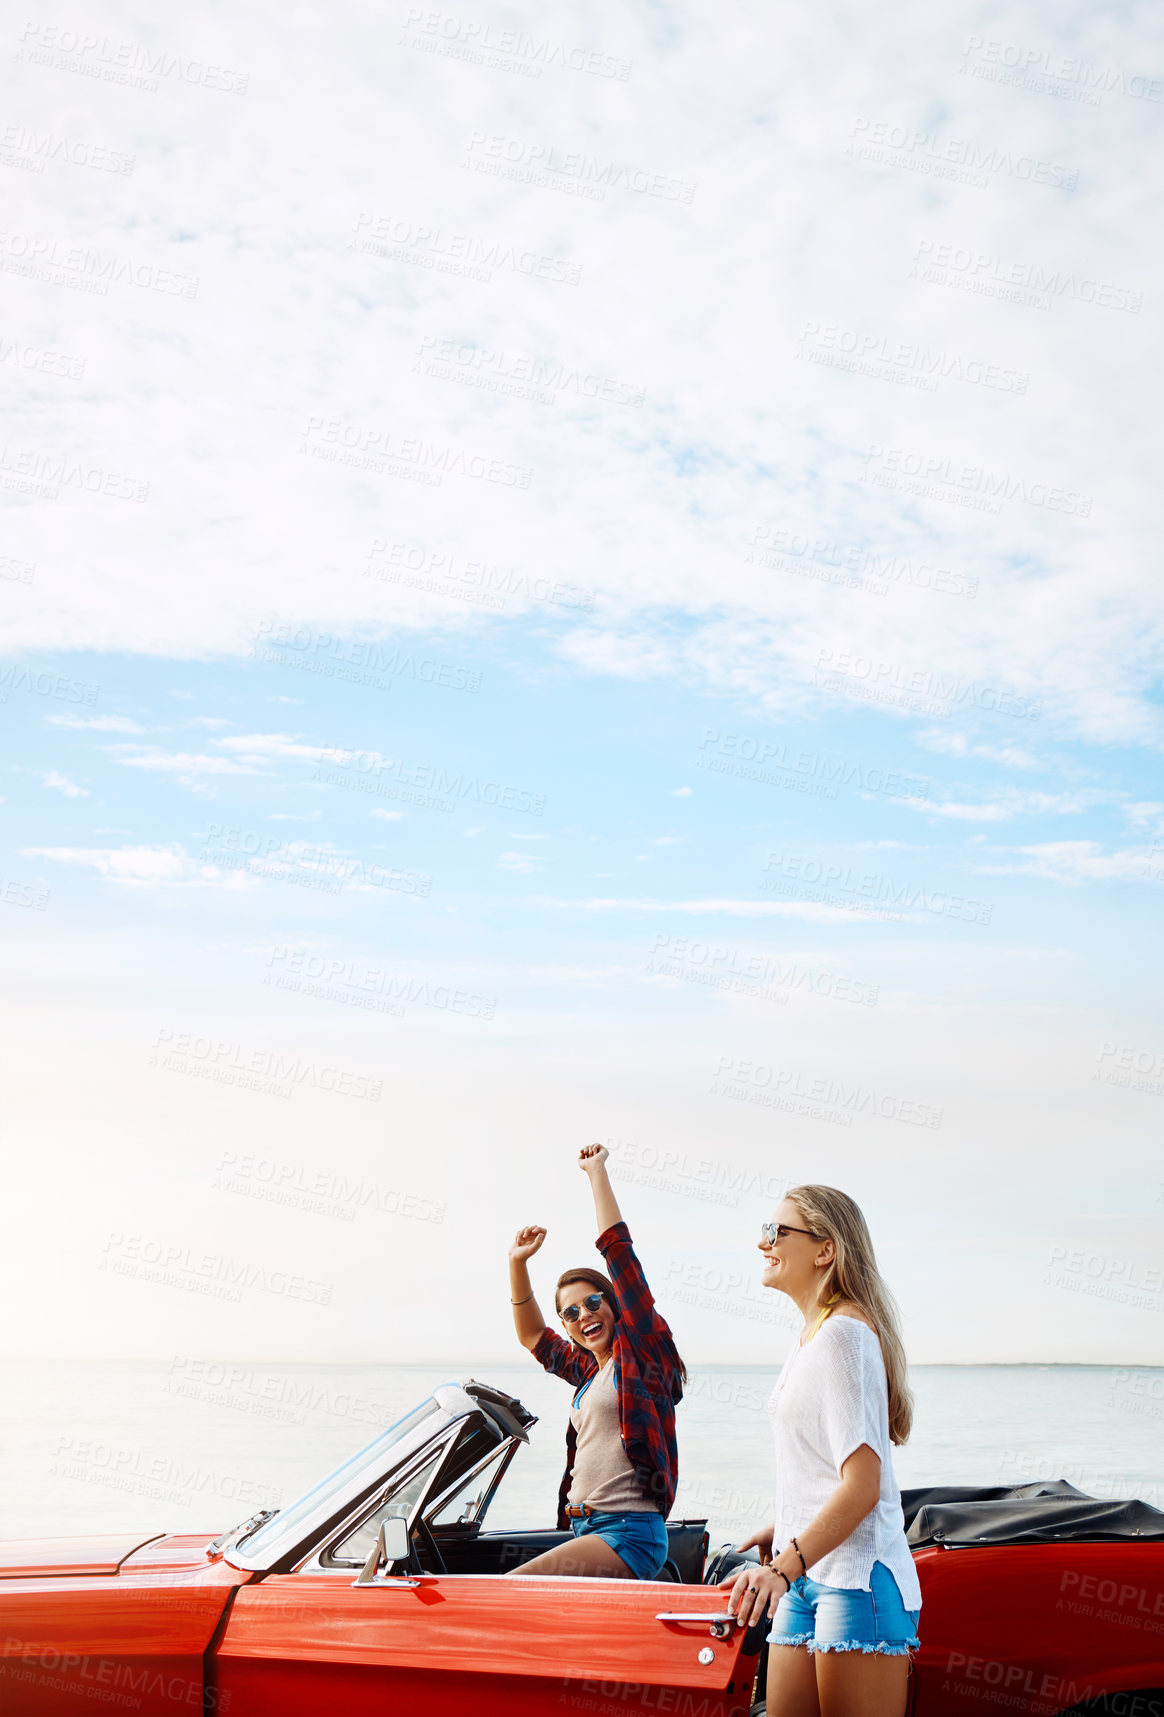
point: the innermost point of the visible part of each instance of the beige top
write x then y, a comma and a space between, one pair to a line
602, 1475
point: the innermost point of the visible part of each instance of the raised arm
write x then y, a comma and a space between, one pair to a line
527, 1318
592, 1160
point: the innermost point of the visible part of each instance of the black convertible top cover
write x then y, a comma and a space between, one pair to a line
1051, 1512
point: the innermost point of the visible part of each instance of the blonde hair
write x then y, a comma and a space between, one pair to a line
853, 1274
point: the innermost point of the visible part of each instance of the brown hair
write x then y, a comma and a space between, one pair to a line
596, 1279
584, 1273
853, 1273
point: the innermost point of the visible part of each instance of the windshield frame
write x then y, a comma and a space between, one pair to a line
304, 1521
283, 1542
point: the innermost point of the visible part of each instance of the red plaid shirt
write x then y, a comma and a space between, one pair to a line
646, 1377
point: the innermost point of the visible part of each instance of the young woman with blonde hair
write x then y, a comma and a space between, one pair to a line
836, 1574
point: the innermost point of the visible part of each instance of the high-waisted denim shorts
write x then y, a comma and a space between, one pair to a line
640, 1539
838, 1618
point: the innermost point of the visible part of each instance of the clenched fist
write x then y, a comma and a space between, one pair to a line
526, 1242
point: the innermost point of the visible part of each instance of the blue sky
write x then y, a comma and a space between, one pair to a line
491, 666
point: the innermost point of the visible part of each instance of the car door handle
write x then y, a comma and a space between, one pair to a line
721, 1622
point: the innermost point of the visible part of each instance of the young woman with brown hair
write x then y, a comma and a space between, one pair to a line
621, 1459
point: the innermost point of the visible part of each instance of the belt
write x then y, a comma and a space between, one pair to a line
580, 1512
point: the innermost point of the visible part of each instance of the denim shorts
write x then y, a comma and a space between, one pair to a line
640, 1539
838, 1618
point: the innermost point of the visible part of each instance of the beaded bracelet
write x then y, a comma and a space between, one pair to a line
800, 1553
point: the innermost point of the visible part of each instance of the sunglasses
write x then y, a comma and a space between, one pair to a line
571, 1314
770, 1232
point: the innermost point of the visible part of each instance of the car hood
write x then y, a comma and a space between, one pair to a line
27, 1558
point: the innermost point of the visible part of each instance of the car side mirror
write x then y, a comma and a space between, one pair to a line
392, 1545
393, 1541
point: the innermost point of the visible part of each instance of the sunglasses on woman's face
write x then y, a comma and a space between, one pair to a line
571, 1314
770, 1232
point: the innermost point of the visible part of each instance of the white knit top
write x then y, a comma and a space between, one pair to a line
831, 1397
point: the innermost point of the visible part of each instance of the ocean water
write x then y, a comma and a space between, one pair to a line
197, 1445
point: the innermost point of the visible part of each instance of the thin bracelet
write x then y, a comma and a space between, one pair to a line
800, 1553
784, 1577
521, 1302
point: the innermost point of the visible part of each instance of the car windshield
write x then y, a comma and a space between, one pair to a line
374, 1460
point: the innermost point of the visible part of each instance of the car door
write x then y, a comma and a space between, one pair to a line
439, 1644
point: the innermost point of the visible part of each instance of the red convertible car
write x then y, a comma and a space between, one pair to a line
381, 1591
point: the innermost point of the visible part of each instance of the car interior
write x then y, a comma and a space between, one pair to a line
444, 1493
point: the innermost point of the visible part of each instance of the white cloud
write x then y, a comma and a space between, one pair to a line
524, 864
690, 471
1013, 804
63, 784
149, 866
682, 792
97, 723
808, 910
186, 765
1076, 862
267, 745
954, 744
388, 816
